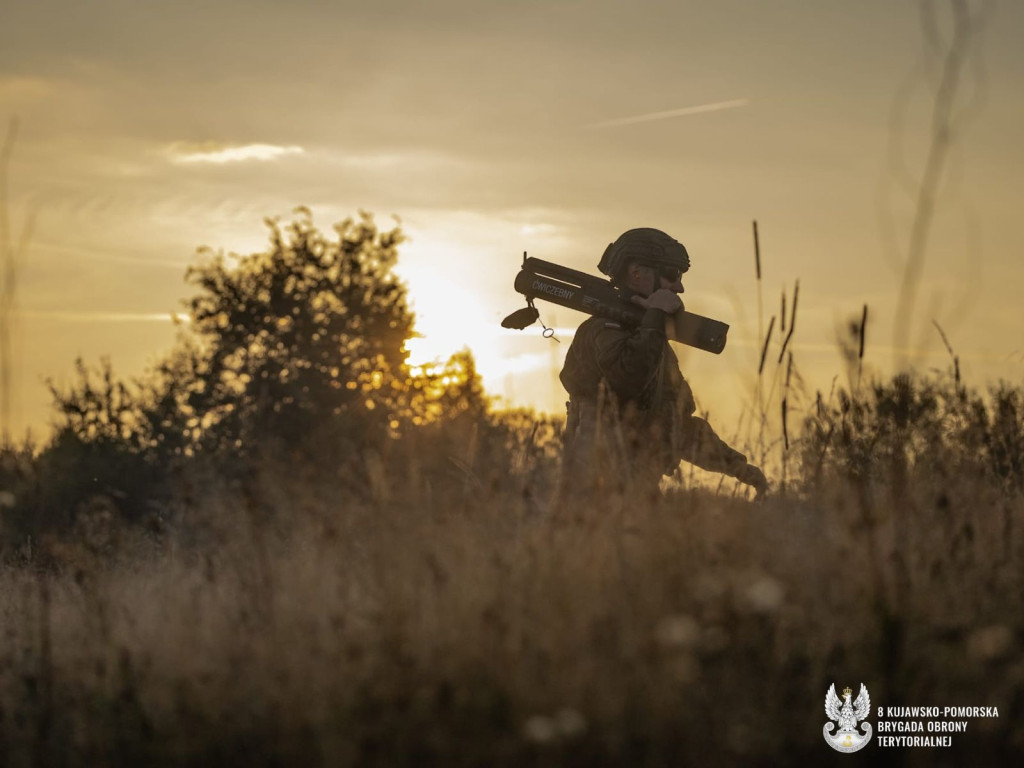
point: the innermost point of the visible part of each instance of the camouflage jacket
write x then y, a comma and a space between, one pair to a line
629, 404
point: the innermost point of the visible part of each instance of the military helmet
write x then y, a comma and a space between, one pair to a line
646, 246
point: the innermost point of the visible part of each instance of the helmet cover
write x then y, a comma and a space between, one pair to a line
644, 245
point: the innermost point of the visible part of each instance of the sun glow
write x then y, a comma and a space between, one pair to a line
450, 318
459, 271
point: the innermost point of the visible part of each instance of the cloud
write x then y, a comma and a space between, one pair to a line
17, 90
219, 154
651, 116
104, 317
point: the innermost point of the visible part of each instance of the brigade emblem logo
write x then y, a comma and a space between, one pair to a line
847, 714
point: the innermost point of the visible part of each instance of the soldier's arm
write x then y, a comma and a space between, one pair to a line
700, 445
629, 358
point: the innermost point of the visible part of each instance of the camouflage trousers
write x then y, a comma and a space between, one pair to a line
605, 452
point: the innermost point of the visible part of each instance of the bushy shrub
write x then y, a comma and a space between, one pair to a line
916, 428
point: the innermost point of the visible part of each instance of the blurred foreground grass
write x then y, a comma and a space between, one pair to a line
449, 615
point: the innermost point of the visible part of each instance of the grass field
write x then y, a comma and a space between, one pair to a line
449, 615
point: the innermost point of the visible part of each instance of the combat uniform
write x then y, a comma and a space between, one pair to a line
631, 412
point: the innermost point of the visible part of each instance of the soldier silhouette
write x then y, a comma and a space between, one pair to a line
630, 411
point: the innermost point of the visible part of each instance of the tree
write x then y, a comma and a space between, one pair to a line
308, 334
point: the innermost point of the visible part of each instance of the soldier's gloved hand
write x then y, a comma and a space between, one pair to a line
664, 299
754, 477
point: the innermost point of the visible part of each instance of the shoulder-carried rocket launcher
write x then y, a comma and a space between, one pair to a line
597, 296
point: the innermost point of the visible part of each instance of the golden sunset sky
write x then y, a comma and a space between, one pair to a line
148, 129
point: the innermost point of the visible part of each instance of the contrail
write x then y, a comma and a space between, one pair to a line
715, 107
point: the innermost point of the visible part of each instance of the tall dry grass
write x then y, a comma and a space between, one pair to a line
447, 615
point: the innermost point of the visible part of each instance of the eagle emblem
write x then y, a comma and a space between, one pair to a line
847, 714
